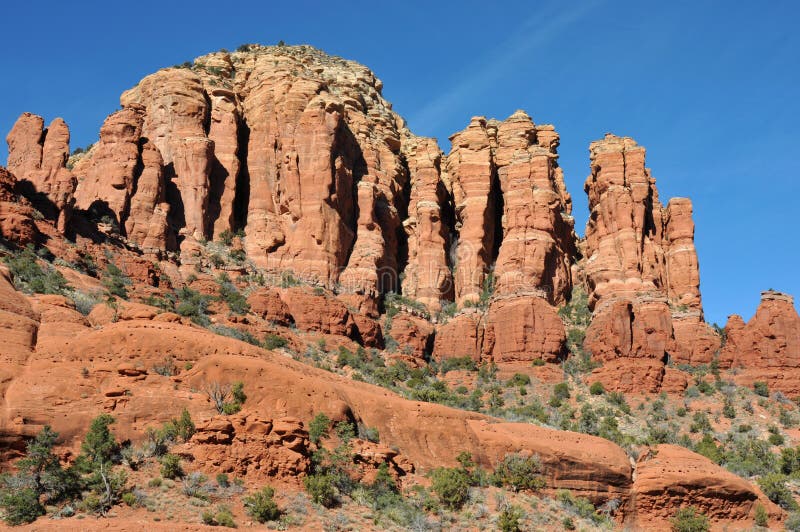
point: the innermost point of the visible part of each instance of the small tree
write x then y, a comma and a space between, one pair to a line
261, 506
761, 388
20, 506
99, 450
318, 428
510, 519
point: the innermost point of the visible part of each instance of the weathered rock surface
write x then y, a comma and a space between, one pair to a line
669, 477
766, 348
16, 216
39, 156
641, 270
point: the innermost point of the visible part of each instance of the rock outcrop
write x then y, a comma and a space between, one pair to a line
17, 227
766, 348
669, 476
642, 272
39, 156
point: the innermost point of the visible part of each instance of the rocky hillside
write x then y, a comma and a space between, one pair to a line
264, 217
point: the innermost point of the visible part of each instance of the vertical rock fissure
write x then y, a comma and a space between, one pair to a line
241, 201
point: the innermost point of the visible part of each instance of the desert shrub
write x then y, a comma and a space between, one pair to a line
345, 431
115, 281
228, 293
171, 466
166, 367
368, 433
321, 489
192, 304
597, 388
20, 506
318, 428
774, 487
761, 518
29, 277
221, 517
580, 506
510, 519
273, 341
618, 399
451, 486
261, 506
708, 448
747, 456
728, 410
761, 388
519, 379
194, 485
519, 472
700, 423
226, 398
689, 519
704, 387
457, 363
560, 393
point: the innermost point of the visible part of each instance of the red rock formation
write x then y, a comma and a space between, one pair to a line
538, 241
147, 222
523, 329
107, 178
470, 169
460, 337
16, 217
669, 477
641, 271
767, 348
427, 277
413, 336
39, 156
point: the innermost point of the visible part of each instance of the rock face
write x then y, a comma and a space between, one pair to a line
16, 217
642, 272
668, 476
512, 210
39, 156
766, 348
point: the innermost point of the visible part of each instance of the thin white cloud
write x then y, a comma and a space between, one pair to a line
540, 28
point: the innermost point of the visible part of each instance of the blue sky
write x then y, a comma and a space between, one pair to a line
709, 87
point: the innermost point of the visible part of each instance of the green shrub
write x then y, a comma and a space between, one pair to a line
581, 506
30, 277
774, 487
519, 472
689, 519
171, 466
129, 498
115, 281
728, 410
228, 293
618, 399
321, 489
761, 518
20, 506
222, 480
705, 387
519, 379
451, 486
273, 341
708, 448
261, 506
761, 388
597, 388
318, 428
510, 519
560, 393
